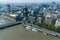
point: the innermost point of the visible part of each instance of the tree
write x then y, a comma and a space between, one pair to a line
58, 29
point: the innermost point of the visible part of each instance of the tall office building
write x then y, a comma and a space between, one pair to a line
8, 8
25, 11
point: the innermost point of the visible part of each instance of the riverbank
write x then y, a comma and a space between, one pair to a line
18, 32
45, 31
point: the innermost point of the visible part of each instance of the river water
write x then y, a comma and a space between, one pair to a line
19, 33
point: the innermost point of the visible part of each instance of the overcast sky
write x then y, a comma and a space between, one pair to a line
25, 1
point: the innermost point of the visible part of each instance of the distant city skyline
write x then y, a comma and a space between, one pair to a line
26, 1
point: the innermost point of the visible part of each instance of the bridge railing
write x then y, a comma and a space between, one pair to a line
10, 24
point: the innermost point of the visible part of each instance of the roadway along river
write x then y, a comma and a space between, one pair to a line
19, 33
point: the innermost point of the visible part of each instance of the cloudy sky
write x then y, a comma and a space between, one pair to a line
25, 1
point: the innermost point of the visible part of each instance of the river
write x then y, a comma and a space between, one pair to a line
19, 33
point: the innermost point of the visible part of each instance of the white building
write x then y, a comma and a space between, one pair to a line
57, 22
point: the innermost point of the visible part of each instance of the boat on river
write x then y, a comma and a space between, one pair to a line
28, 27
